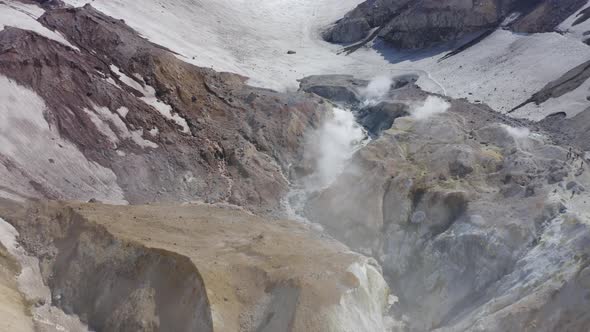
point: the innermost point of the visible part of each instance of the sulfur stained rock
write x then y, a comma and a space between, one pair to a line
197, 268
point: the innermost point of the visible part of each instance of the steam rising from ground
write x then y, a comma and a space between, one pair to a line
517, 133
432, 105
328, 150
338, 138
377, 89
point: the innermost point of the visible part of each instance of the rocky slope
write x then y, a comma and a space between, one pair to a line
196, 268
478, 222
473, 219
417, 24
124, 120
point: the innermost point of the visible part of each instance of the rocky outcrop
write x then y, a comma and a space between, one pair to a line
455, 206
149, 126
417, 24
380, 117
370, 14
546, 16
340, 89
14, 311
196, 268
571, 131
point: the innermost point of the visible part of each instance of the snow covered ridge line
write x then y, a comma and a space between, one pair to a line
24, 16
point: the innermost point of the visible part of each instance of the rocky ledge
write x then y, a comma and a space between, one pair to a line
195, 268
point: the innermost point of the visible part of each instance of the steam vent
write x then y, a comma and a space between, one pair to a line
295, 166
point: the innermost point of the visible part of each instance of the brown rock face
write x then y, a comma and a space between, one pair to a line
189, 134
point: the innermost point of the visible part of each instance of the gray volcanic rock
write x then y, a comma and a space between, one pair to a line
433, 21
46, 3
547, 15
463, 210
573, 131
380, 117
340, 89
354, 30
417, 24
357, 23
350, 92
152, 127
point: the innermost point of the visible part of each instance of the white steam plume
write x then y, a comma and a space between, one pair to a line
377, 89
338, 138
329, 148
517, 133
431, 106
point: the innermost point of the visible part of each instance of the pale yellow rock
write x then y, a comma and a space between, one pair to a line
14, 312
258, 274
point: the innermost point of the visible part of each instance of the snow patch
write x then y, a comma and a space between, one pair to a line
123, 111
149, 97
510, 18
250, 38
24, 16
38, 155
575, 31
571, 103
105, 115
501, 71
103, 127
